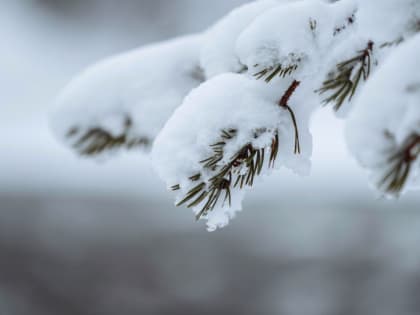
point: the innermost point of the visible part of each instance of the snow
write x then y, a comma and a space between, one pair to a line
387, 111
186, 92
368, 25
387, 20
218, 51
305, 34
228, 101
143, 87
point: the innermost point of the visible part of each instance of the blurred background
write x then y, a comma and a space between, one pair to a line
81, 237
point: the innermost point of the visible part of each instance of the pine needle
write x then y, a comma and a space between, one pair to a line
228, 175
400, 164
344, 83
270, 73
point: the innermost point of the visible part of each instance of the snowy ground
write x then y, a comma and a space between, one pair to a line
78, 237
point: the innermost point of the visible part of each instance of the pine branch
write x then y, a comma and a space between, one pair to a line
97, 140
279, 70
242, 168
239, 172
401, 162
344, 82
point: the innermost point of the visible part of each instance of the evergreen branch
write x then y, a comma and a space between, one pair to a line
400, 166
97, 140
344, 82
270, 73
242, 168
239, 172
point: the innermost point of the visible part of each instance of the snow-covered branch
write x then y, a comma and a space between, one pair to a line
124, 101
225, 107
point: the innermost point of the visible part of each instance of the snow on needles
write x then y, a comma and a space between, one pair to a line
386, 117
127, 99
226, 102
306, 33
229, 105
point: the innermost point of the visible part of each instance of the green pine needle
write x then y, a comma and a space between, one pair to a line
270, 73
344, 82
400, 163
228, 175
97, 140
242, 167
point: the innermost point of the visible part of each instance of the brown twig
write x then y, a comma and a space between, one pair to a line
284, 104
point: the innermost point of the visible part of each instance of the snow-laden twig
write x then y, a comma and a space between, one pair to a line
223, 108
